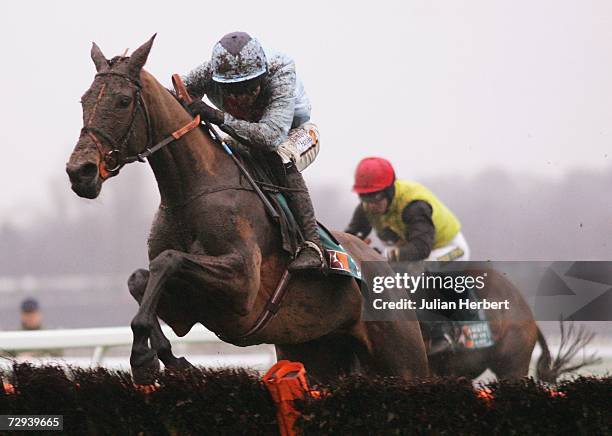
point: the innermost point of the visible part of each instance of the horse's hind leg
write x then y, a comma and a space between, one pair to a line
137, 284
513, 351
394, 348
512, 367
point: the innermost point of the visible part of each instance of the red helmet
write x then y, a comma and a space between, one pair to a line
373, 174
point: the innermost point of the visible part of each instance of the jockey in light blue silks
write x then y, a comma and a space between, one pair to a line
262, 105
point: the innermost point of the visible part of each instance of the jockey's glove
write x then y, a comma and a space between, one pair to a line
198, 107
403, 253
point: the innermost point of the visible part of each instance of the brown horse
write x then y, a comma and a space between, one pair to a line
515, 334
215, 256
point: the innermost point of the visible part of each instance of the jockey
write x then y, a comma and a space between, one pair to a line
262, 105
413, 222
406, 216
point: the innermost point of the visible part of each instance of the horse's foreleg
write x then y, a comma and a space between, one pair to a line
232, 273
143, 359
137, 284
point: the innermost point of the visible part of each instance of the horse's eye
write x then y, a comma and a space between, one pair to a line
125, 101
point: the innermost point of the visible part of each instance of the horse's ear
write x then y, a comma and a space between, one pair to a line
139, 57
98, 58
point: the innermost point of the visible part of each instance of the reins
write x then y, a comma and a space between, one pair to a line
183, 96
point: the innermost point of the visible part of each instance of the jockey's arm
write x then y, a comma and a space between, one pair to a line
359, 225
273, 126
420, 231
198, 80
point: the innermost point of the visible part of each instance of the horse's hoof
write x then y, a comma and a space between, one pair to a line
138, 277
146, 369
182, 363
144, 376
178, 364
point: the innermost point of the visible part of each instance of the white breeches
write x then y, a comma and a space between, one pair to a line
301, 146
456, 249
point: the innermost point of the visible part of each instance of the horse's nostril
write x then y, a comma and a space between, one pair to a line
81, 173
89, 170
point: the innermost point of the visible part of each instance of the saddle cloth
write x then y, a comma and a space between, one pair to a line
469, 331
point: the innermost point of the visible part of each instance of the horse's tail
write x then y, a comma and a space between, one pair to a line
543, 368
572, 342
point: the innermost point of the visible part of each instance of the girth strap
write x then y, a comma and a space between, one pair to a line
272, 307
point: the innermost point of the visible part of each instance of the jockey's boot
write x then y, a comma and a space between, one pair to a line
310, 256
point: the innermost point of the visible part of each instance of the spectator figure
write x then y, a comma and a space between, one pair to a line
31, 317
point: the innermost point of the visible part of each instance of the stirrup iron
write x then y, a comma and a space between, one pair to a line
316, 248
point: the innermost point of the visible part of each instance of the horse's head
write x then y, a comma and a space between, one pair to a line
115, 121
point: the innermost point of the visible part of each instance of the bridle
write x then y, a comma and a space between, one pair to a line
111, 161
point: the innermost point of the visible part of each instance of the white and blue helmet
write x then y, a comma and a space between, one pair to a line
237, 57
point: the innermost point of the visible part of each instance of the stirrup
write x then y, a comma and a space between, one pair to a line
443, 344
316, 248
295, 264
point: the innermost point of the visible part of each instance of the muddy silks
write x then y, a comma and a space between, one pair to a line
445, 222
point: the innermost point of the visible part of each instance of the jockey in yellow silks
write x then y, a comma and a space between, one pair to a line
406, 216
412, 221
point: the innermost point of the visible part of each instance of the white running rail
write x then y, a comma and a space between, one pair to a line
100, 339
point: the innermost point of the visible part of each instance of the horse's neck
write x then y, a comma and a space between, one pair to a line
185, 166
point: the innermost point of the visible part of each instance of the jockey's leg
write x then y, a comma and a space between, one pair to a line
311, 254
298, 152
442, 331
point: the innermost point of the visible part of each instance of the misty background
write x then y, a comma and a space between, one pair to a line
503, 109
77, 256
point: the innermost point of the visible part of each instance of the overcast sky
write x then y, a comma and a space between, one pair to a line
440, 87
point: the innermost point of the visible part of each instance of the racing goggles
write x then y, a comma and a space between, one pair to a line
373, 197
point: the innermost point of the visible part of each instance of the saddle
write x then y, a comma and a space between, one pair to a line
266, 170
463, 329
